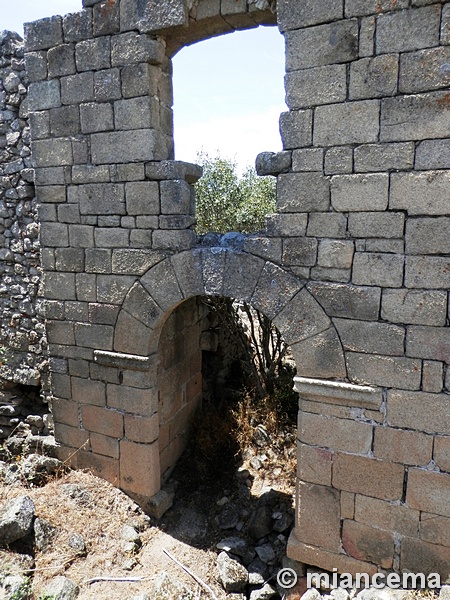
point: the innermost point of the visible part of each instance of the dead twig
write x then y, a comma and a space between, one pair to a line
204, 585
120, 579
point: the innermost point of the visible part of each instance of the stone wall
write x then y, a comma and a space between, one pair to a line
21, 322
353, 268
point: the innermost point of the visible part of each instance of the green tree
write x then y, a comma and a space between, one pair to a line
226, 201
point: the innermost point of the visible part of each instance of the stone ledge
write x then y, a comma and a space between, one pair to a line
337, 392
122, 361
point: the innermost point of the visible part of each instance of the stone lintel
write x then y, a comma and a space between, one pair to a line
338, 392
122, 361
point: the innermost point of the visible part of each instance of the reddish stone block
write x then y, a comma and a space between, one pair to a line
368, 544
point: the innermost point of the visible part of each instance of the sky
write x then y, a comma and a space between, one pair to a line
228, 91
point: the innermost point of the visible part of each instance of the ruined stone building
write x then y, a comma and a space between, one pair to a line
354, 268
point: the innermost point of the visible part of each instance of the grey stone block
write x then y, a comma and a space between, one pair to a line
386, 371
77, 88
43, 34
385, 270
408, 30
384, 245
433, 154
300, 251
167, 295
59, 286
339, 160
241, 275
40, 124
99, 337
274, 290
135, 113
330, 274
44, 95
140, 79
360, 192
142, 308
374, 77
69, 213
36, 66
265, 247
94, 54
307, 159
429, 272
336, 254
90, 174
113, 288
60, 333
320, 356
46, 212
69, 259
301, 318
428, 236
367, 36
172, 13
98, 260
351, 123
420, 193
415, 307
80, 151
419, 117
371, 338
329, 225
303, 192
384, 157
176, 198
319, 85
112, 237
96, 117
64, 121
432, 376
106, 17
142, 198
127, 172
295, 16
61, 60
288, 225
101, 199
54, 234
357, 8
52, 153
173, 169
376, 224
77, 26
130, 48
347, 301
174, 240
425, 70
428, 342
135, 262
296, 128
273, 163
445, 24
86, 287
123, 146
176, 221
81, 236
146, 221
107, 85
322, 45
51, 193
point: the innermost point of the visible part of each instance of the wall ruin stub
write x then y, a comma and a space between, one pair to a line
353, 267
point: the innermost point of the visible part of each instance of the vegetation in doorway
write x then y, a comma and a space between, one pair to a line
260, 400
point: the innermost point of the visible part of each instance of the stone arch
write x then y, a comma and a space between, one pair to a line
277, 293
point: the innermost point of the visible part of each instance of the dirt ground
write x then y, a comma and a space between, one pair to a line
80, 503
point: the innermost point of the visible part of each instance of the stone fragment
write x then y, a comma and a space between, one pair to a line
233, 575
16, 520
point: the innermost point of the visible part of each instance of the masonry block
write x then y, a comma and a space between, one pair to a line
385, 515
303, 192
136, 459
347, 123
318, 515
402, 446
389, 371
408, 30
373, 338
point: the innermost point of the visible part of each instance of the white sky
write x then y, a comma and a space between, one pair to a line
228, 91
